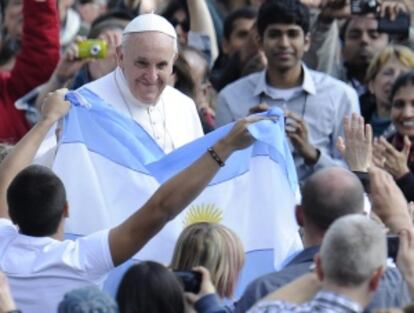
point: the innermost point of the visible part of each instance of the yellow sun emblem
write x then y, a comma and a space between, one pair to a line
203, 213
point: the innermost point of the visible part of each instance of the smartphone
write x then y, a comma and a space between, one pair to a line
393, 243
190, 280
92, 48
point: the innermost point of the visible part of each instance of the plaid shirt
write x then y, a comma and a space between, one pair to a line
324, 302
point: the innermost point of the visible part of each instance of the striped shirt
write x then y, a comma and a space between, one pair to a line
324, 302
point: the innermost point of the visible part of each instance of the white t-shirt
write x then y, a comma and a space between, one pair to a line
41, 269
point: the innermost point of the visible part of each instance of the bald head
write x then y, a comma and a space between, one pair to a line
329, 194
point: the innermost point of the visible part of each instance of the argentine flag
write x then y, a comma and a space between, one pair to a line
111, 166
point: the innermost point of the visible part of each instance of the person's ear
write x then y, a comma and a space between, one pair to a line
226, 46
371, 86
66, 210
120, 56
307, 42
318, 266
375, 279
299, 214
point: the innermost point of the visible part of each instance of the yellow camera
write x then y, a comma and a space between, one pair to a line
93, 48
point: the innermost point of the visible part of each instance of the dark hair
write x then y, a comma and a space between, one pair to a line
403, 80
36, 198
244, 12
283, 12
330, 194
151, 288
112, 14
174, 6
109, 20
343, 29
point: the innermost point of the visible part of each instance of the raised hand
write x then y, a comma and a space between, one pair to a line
356, 147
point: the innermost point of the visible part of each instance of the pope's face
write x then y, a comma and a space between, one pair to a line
146, 60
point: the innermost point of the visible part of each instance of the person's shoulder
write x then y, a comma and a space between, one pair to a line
178, 98
245, 84
267, 283
327, 83
7, 227
99, 84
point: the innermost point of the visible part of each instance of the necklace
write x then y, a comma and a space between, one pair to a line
164, 140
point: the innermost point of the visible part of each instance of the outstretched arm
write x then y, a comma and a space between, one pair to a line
22, 154
172, 197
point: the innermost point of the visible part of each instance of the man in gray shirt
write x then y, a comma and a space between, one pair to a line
326, 196
315, 103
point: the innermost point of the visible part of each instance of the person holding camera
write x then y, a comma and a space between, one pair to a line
348, 33
151, 287
215, 247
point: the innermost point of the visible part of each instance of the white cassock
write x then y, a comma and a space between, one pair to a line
172, 122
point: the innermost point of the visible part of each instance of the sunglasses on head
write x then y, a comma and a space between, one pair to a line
185, 25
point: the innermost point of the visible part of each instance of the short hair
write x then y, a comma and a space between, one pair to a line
283, 12
246, 12
329, 194
87, 300
403, 80
401, 53
150, 287
36, 199
215, 247
352, 249
174, 6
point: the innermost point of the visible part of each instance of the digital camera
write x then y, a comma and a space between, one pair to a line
190, 280
399, 27
92, 48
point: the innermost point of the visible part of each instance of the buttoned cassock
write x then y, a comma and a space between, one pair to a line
172, 122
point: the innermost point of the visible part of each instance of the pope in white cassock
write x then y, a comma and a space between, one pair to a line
137, 89
110, 167
138, 86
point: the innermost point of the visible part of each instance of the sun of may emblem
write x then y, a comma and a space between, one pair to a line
203, 213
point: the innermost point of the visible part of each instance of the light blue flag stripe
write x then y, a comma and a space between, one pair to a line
107, 132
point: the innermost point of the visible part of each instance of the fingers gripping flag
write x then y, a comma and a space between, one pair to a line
111, 166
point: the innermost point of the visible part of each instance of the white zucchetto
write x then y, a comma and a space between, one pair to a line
150, 23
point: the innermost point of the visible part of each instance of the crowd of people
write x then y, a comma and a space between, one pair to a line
343, 74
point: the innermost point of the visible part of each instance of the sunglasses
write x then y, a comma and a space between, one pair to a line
185, 25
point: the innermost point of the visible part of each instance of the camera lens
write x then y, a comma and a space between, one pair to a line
95, 49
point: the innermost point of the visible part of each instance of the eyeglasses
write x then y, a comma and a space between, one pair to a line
185, 24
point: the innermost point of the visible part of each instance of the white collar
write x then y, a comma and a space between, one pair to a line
126, 94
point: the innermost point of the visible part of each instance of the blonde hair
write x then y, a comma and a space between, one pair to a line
215, 247
403, 54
